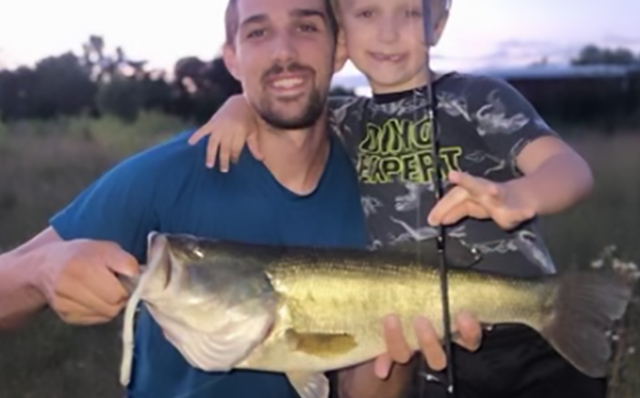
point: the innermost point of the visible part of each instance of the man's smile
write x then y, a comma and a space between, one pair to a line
288, 84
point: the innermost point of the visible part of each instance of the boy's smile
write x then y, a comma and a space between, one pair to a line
382, 57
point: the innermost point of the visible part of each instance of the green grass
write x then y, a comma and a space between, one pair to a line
45, 165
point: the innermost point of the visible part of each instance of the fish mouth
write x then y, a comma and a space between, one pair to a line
160, 261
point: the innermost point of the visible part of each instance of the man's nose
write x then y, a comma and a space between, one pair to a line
284, 47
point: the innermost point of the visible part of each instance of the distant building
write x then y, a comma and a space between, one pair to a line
535, 75
564, 92
546, 86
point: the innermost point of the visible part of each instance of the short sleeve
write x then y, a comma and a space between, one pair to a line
122, 205
346, 116
504, 118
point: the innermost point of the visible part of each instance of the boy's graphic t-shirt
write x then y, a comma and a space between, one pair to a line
483, 124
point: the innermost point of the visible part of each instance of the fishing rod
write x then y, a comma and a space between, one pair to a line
431, 111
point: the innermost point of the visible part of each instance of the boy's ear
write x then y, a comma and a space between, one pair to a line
439, 27
229, 58
341, 55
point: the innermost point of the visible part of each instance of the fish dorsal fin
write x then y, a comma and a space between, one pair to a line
309, 385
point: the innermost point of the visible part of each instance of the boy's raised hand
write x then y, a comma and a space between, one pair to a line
229, 129
480, 198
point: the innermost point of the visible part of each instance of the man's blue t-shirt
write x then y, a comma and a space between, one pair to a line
167, 188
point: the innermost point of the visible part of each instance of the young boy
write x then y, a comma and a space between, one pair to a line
503, 166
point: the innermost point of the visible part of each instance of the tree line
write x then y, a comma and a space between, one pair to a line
96, 83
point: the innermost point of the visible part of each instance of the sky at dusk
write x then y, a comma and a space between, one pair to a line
480, 32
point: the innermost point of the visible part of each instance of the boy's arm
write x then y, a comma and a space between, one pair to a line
555, 176
235, 123
549, 176
232, 126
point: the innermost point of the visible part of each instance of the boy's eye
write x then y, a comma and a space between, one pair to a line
365, 14
413, 14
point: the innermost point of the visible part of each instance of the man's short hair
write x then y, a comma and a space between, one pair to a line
232, 20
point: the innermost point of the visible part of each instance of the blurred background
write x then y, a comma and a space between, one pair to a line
82, 89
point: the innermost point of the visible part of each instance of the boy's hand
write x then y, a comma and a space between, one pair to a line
467, 328
228, 129
480, 198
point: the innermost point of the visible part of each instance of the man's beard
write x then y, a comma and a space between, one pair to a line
312, 111
313, 108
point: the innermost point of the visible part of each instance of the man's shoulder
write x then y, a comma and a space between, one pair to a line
171, 158
173, 150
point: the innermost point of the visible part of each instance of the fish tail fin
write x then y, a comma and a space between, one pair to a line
581, 318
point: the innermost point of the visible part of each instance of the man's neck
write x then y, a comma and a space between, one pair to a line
296, 158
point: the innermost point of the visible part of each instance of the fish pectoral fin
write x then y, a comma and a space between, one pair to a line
309, 385
320, 344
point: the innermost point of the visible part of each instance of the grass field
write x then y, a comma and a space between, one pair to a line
44, 165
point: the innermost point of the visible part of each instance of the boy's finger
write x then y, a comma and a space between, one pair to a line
397, 346
470, 331
455, 214
197, 136
451, 199
224, 154
212, 150
252, 143
430, 344
382, 366
236, 148
477, 187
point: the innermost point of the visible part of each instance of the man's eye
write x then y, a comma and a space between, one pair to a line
308, 28
365, 14
255, 33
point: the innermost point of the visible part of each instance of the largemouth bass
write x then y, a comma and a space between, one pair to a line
305, 311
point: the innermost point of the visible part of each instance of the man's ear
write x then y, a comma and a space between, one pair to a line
229, 58
341, 55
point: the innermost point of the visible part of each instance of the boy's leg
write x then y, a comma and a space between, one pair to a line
544, 373
514, 362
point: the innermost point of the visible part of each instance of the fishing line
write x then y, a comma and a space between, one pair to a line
438, 188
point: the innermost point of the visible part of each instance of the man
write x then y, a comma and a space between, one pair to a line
304, 192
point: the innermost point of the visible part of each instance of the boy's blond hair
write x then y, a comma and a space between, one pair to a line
441, 10
443, 5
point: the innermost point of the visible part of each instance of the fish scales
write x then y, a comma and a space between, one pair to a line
370, 291
305, 311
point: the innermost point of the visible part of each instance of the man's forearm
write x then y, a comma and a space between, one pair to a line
19, 297
556, 185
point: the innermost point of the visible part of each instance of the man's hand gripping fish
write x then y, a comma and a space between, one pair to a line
305, 311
